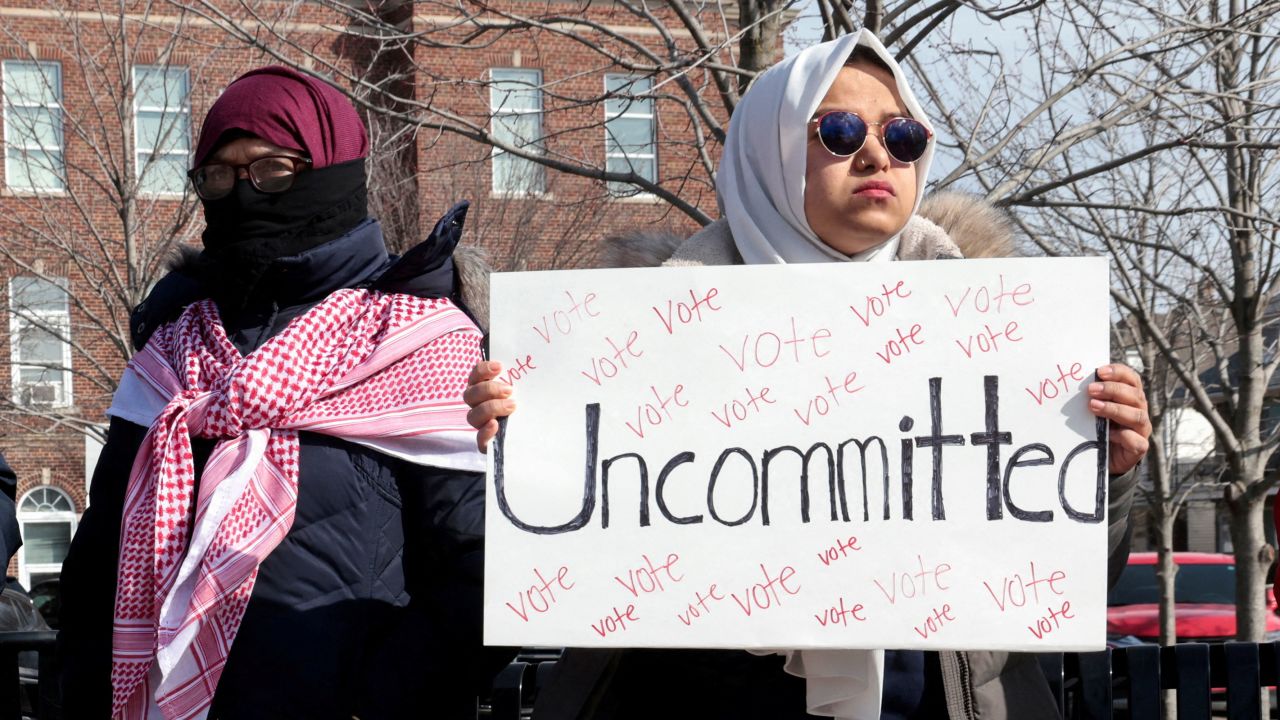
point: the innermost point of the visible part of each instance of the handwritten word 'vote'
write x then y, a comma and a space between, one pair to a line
563, 320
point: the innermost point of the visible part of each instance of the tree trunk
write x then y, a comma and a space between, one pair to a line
761, 43
1166, 571
1253, 558
1163, 505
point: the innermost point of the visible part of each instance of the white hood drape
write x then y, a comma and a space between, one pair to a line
761, 178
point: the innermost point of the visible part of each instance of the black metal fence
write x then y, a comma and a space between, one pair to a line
1219, 680
26, 671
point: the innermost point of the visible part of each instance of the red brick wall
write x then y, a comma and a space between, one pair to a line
80, 235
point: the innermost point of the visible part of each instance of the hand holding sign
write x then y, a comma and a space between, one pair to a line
489, 399
1120, 399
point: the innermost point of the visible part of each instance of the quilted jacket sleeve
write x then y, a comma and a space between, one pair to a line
88, 581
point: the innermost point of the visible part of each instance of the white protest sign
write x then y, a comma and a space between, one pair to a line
891, 455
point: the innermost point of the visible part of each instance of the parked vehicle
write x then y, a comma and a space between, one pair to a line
47, 596
1204, 600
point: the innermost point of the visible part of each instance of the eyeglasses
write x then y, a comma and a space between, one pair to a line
843, 133
271, 174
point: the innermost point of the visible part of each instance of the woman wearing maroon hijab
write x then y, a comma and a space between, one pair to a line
287, 518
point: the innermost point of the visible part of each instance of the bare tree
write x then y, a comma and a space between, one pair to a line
693, 60
98, 201
523, 233
1100, 119
1148, 131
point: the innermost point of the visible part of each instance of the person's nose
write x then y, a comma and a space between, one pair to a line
872, 155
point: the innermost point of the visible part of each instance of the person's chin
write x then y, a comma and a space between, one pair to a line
862, 243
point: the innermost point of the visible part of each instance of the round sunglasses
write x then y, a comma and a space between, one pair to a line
843, 133
271, 174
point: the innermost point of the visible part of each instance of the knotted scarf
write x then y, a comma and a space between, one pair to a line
386, 371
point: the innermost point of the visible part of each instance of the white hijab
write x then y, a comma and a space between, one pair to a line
761, 191
761, 179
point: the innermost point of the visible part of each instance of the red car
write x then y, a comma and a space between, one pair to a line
1204, 600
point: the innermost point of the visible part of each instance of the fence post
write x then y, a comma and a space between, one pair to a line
1094, 671
508, 691
1142, 664
1191, 662
1243, 680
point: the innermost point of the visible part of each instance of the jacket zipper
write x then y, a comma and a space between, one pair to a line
957, 682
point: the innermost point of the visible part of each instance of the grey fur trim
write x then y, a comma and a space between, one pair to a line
638, 248
473, 275
923, 240
712, 245
978, 228
950, 225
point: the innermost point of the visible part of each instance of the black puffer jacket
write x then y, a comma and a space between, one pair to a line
371, 606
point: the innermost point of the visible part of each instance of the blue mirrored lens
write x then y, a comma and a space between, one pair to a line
905, 139
842, 133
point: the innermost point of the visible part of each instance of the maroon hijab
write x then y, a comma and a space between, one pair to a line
289, 109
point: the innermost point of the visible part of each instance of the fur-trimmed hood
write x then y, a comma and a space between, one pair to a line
948, 224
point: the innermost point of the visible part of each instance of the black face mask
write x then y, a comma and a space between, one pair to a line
248, 229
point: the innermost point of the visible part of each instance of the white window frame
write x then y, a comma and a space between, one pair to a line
59, 321
183, 108
615, 188
535, 146
55, 109
41, 517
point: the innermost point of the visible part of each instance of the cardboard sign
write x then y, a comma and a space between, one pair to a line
891, 455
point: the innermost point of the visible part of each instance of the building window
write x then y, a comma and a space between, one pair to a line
33, 125
515, 99
161, 125
39, 332
629, 144
48, 520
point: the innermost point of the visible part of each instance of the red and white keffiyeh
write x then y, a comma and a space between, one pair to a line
385, 371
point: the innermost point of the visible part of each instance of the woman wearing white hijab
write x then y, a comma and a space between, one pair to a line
825, 161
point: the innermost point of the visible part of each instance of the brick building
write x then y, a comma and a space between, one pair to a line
101, 113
